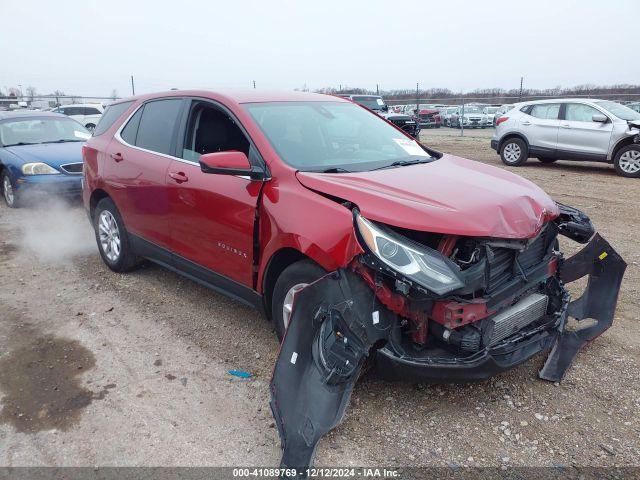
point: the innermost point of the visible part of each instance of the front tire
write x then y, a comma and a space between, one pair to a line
8, 193
90, 126
514, 152
293, 279
112, 238
627, 161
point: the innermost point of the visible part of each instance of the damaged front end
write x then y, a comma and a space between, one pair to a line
437, 308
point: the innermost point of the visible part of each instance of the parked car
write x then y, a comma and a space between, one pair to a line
429, 118
571, 129
490, 112
634, 106
40, 154
446, 116
88, 114
376, 103
260, 195
502, 110
469, 116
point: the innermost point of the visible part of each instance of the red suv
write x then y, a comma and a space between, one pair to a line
356, 240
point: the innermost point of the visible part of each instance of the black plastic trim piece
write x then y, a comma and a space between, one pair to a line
197, 273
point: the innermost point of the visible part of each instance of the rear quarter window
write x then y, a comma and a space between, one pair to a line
110, 115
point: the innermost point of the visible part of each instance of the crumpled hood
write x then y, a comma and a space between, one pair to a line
53, 154
451, 195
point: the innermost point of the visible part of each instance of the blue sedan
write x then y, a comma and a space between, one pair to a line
40, 154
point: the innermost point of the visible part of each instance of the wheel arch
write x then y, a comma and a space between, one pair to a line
509, 136
278, 262
621, 144
97, 195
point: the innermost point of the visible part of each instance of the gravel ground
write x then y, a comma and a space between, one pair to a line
98, 368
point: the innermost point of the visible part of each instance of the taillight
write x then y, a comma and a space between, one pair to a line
500, 120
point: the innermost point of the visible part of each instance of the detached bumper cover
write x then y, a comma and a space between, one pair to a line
338, 320
605, 269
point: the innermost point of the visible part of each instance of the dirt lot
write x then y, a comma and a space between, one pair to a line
98, 368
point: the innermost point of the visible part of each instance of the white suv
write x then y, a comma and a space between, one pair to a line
570, 129
88, 114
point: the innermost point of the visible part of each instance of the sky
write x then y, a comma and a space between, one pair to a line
92, 47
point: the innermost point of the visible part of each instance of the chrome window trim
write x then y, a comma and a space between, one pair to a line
121, 140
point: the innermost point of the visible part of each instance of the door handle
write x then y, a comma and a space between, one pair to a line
565, 125
179, 177
526, 123
117, 157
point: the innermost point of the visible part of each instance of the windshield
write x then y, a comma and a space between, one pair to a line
372, 103
27, 131
318, 136
472, 110
620, 111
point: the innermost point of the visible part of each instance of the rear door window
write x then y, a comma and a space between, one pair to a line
157, 125
548, 111
111, 114
91, 111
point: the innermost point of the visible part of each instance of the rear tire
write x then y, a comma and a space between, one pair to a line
627, 161
514, 152
112, 238
293, 278
547, 159
11, 197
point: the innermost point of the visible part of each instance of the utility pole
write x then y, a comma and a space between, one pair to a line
133, 87
417, 99
254, 84
377, 90
340, 88
520, 96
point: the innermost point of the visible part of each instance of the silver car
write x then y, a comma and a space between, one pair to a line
570, 129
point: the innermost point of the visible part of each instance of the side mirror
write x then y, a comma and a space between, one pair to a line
230, 163
600, 118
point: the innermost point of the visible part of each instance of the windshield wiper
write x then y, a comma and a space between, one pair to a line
334, 170
19, 143
63, 140
404, 163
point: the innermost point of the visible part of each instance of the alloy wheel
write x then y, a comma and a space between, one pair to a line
630, 161
7, 188
287, 305
512, 152
109, 235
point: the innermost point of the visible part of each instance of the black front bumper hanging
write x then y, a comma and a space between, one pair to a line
334, 324
605, 268
338, 320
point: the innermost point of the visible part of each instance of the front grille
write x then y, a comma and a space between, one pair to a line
516, 317
502, 261
72, 168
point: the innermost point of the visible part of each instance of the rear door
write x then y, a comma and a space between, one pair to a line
580, 135
212, 216
540, 124
136, 167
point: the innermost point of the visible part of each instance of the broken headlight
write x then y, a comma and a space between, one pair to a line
417, 263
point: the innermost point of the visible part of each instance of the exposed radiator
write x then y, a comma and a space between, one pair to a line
516, 317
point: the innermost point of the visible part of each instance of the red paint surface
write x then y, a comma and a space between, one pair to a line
210, 218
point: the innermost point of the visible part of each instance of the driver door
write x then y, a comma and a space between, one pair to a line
211, 219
